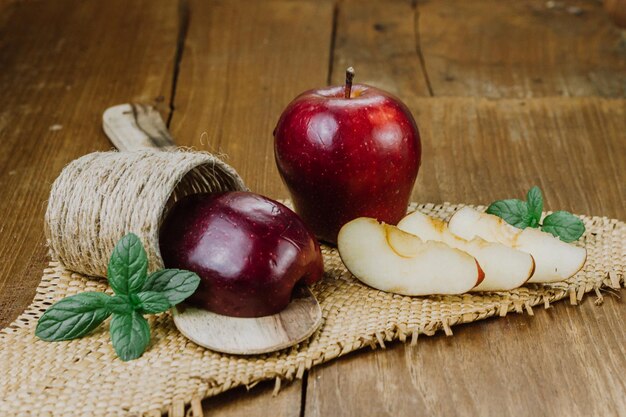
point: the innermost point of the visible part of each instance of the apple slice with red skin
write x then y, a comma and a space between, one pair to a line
388, 259
555, 260
505, 268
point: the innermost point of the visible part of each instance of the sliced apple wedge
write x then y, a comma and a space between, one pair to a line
555, 260
388, 259
505, 268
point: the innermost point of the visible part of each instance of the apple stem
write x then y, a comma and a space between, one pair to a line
349, 76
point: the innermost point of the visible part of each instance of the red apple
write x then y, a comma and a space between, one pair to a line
248, 250
346, 152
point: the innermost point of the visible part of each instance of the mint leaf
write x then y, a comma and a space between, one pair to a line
514, 212
130, 335
564, 225
128, 266
135, 294
534, 200
120, 304
175, 284
522, 214
73, 316
152, 302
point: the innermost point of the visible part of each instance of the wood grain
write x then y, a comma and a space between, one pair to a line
243, 63
563, 361
136, 126
379, 39
495, 48
478, 150
257, 401
62, 65
251, 336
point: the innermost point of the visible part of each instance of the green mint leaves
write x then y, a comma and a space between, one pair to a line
136, 294
73, 316
513, 211
564, 225
130, 335
128, 266
523, 214
534, 202
174, 284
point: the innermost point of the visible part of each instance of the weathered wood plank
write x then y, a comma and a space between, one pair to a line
258, 401
563, 361
63, 63
478, 150
242, 64
379, 39
531, 48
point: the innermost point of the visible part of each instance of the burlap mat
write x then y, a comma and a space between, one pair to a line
84, 377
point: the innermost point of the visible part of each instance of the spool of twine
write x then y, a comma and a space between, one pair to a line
102, 196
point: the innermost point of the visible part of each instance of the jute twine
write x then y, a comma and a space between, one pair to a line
100, 197
83, 377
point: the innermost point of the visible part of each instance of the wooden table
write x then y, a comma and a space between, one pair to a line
507, 94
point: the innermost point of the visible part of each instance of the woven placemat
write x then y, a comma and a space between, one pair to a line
84, 377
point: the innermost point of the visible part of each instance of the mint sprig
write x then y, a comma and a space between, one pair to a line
136, 294
523, 214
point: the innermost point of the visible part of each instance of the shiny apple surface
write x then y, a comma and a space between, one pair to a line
344, 158
249, 251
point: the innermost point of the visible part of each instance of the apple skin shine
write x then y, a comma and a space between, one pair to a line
343, 158
248, 250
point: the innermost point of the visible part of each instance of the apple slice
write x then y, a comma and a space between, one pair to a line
505, 268
555, 260
388, 259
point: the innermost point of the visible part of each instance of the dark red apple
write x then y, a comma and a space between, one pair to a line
248, 250
346, 152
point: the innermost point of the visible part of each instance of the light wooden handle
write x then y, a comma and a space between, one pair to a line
134, 126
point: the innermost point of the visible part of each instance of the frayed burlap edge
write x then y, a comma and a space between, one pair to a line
83, 377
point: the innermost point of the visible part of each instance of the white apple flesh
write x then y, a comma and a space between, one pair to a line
388, 259
555, 260
505, 268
